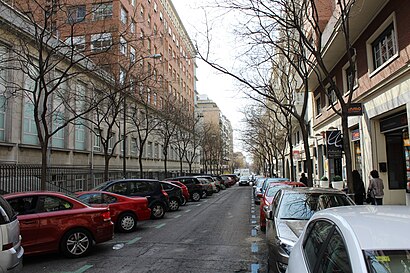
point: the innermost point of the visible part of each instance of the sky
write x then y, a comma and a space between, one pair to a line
219, 88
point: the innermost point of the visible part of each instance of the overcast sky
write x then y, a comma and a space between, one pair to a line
219, 88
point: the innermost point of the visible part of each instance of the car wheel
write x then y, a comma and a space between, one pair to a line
196, 196
173, 205
127, 222
157, 211
76, 243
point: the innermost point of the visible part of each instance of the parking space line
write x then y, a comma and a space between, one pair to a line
253, 216
160, 226
81, 270
188, 210
253, 222
254, 268
136, 239
254, 247
253, 232
177, 216
198, 205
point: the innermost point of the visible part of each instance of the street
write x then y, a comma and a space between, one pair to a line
217, 234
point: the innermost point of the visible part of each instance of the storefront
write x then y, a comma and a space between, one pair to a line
396, 133
357, 151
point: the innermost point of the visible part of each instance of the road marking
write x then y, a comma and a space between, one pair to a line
253, 216
136, 239
204, 201
253, 222
198, 205
177, 216
160, 226
254, 247
188, 210
252, 211
253, 232
81, 270
254, 268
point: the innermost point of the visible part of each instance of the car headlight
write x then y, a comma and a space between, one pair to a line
285, 246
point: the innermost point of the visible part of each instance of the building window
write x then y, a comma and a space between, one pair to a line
155, 99
29, 125
133, 3
350, 77
111, 142
123, 46
58, 116
134, 145
101, 42
149, 20
384, 47
149, 45
318, 106
76, 42
161, 16
97, 140
148, 95
2, 115
124, 16
76, 14
102, 11
149, 149
331, 95
132, 54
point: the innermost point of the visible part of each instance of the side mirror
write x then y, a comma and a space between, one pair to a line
269, 215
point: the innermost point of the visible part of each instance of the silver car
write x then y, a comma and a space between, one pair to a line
359, 239
287, 216
11, 253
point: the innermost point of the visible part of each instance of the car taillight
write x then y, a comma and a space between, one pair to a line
165, 194
106, 215
7, 246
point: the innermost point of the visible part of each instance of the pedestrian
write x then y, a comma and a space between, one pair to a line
358, 186
303, 179
376, 186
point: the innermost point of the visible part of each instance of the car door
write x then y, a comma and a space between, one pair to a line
55, 215
29, 224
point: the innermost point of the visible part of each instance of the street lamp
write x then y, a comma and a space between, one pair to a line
124, 138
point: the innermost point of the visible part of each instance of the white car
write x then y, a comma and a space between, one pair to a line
359, 239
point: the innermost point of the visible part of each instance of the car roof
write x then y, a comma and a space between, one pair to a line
133, 179
25, 193
313, 190
375, 227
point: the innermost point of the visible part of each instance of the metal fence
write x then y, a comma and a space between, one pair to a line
18, 177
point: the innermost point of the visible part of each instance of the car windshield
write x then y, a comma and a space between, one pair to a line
100, 187
301, 206
259, 182
387, 261
244, 178
274, 189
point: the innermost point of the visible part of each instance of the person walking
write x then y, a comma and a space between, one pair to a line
303, 179
358, 187
376, 185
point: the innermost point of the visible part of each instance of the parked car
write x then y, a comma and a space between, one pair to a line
244, 180
185, 192
11, 252
220, 183
125, 211
52, 222
228, 181
267, 198
211, 181
268, 181
174, 193
158, 200
257, 189
289, 212
195, 186
359, 239
234, 177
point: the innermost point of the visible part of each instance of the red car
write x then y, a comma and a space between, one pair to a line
184, 188
125, 211
52, 222
267, 198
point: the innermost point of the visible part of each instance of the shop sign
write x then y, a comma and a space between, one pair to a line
355, 135
334, 144
296, 154
392, 123
355, 109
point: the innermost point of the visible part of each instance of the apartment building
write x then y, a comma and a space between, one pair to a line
379, 124
140, 45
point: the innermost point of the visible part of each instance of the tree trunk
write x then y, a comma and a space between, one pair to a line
106, 167
44, 166
292, 172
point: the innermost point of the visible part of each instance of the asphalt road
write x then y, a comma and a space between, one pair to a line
218, 234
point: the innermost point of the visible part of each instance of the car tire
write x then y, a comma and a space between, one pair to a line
157, 211
76, 243
196, 196
173, 205
127, 222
